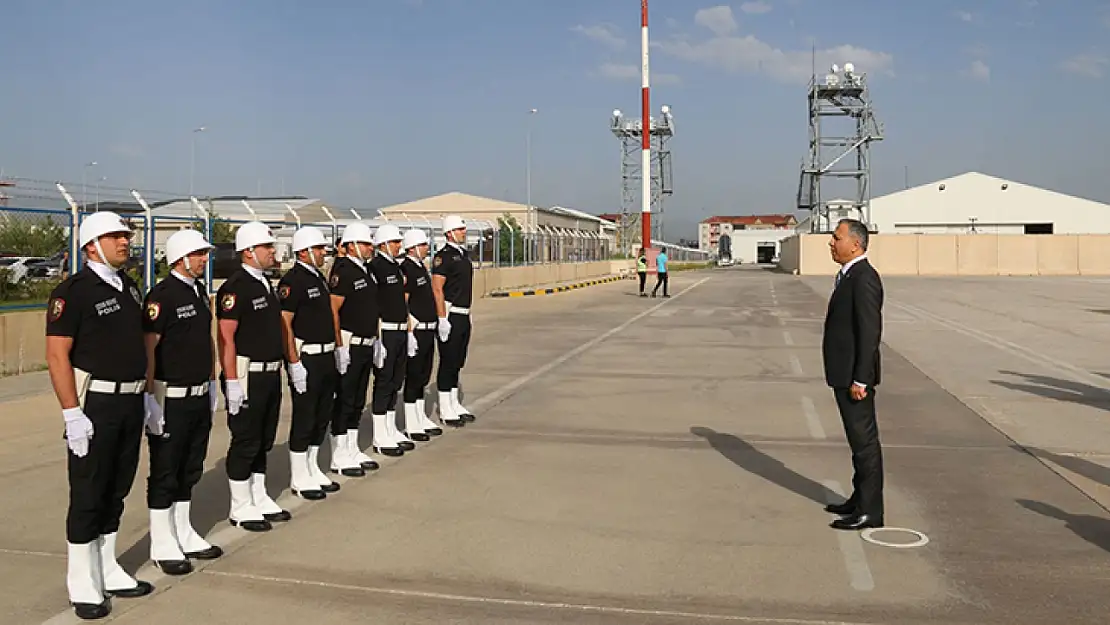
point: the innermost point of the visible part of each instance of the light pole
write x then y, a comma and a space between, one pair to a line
84, 185
530, 252
99, 180
193, 156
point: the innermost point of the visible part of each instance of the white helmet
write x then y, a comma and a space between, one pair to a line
184, 242
357, 232
452, 222
251, 234
99, 224
387, 232
306, 237
413, 238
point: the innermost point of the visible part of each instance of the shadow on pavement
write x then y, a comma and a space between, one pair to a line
743, 455
1086, 468
1093, 529
1057, 389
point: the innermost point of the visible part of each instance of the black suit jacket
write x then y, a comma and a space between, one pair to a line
854, 328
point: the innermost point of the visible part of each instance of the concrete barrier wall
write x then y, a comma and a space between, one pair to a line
23, 345
961, 254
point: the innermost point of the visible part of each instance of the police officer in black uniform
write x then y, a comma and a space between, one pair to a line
392, 347
354, 300
97, 362
180, 398
452, 284
309, 339
422, 339
249, 344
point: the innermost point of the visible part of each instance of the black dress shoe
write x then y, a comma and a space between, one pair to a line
210, 553
175, 567
390, 451
92, 611
252, 526
848, 507
311, 495
419, 437
466, 416
275, 517
406, 445
369, 465
358, 471
330, 488
857, 522
141, 589
433, 431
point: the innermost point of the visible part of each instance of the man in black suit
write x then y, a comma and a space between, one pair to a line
850, 347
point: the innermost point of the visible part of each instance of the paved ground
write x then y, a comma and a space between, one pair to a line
665, 461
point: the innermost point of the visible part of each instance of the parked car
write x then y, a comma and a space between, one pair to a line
16, 266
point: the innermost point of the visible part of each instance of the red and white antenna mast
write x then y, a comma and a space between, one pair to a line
645, 176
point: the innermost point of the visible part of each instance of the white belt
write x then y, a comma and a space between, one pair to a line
360, 340
389, 325
121, 388
425, 325
457, 309
258, 366
179, 392
317, 348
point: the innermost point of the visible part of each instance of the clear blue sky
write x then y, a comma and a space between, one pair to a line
372, 102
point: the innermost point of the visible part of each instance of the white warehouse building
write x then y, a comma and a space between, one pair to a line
976, 202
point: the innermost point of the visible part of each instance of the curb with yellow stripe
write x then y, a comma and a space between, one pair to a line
555, 289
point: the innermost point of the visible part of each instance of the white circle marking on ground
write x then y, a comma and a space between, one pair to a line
868, 535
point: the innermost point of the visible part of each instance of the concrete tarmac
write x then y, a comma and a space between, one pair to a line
641, 460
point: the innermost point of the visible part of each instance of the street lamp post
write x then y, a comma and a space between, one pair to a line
84, 184
529, 251
193, 156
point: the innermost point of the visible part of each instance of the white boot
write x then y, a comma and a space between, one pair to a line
301, 482
244, 513
358, 455
83, 573
460, 410
115, 578
427, 424
269, 508
384, 443
165, 550
192, 544
402, 441
413, 427
318, 476
342, 461
447, 412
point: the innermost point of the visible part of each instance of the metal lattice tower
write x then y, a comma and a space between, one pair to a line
842, 94
630, 133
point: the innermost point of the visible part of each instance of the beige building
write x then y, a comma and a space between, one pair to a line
547, 234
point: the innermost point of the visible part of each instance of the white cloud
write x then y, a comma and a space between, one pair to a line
621, 71
604, 35
751, 55
1089, 65
755, 8
718, 19
979, 70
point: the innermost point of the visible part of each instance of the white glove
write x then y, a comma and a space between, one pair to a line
342, 358
235, 396
299, 376
379, 354
412, 345
155, 419
444, 329
79, 431
213, 395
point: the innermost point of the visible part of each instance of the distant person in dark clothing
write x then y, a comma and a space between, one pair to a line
641, 270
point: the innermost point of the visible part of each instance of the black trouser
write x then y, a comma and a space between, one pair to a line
254, 428
661, 280
418, 370
177, 456
643, 279
452, 352
391, 377
312, 409
351, 395
102, 479
861, 428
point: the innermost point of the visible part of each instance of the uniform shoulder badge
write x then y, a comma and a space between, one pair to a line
283, 291
54, 311
437, 261
228, 301
334, 280
138, 296
153, 309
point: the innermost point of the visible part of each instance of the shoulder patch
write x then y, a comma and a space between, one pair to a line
437, 261
135, 294
283, 291
334, 280
228, 301
54, 311
153, 309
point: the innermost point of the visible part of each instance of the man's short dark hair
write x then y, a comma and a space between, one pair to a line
857, 230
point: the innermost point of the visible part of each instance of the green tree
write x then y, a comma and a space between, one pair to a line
28, 235
510, 239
